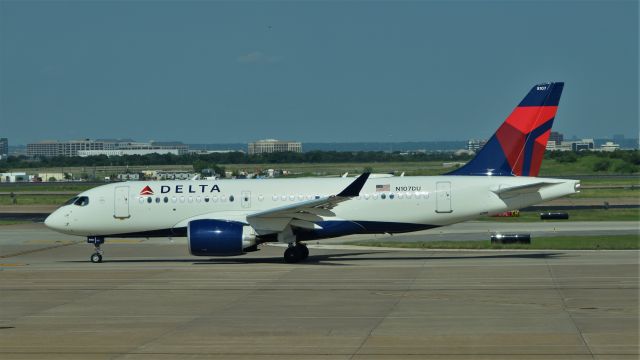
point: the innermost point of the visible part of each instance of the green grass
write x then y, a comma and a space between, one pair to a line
607, 193
14, 222
574, 215
76, 187
614, 242
35, 199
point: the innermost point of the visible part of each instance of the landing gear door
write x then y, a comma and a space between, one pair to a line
443, 197
121, 202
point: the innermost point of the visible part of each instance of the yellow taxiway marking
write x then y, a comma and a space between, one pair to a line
1, 264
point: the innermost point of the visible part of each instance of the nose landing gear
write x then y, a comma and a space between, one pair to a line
296, 253
96, 241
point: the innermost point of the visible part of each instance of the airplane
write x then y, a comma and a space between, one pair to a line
233, 217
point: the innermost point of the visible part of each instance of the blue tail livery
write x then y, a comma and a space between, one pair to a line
517, 148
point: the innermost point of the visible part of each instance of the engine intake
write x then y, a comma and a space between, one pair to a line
209, 237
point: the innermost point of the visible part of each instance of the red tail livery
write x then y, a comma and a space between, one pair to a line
517, 148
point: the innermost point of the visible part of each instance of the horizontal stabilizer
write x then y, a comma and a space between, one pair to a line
510, 191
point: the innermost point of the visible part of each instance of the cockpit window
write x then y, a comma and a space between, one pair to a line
81, 201
70, 201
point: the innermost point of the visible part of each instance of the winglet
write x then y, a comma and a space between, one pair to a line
354, 188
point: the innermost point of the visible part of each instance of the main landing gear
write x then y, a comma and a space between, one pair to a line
96, 241
296, 253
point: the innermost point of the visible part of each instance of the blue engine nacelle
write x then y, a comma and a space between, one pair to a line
218, 237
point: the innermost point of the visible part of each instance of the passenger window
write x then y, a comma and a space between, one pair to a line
383, 196
391, 196
149, 200
166, 199
157, 200
231, 198
206, 199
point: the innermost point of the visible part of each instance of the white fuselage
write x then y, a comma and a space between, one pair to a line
388, 204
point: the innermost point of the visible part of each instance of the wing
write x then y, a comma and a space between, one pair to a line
304, 214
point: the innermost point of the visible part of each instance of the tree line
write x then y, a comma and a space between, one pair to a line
228, 158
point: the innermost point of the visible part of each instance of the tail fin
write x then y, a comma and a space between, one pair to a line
517, 148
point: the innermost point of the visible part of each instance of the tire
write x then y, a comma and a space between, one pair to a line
291, 255
304, 251
96, 258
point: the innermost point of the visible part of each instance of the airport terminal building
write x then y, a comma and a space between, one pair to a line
272, 145
89, 147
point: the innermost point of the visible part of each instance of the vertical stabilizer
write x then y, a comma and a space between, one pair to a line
517, 148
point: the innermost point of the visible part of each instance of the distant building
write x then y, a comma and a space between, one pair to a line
175, 175
609, 146
129, 177
50, 176
89, 147
14, 177
122, 152
475, 144
556, 137
272, 145
4, 147
583, 145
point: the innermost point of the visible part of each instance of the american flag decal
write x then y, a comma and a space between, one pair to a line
383, 187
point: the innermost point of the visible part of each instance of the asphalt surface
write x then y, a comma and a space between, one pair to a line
151, 300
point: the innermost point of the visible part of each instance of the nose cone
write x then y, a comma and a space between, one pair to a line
55, 221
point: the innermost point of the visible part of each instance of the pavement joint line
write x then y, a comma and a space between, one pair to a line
567, 310
38, 249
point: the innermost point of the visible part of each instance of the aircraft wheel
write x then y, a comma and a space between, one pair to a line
303, 249
292, 255
96, 258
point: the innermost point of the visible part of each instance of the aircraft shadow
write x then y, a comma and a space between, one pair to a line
327, 259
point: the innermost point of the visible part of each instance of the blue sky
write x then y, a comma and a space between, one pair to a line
222, 72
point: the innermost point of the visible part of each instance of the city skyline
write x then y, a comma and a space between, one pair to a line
217, 72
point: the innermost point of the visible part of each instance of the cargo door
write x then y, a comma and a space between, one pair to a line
443, 197
121, 202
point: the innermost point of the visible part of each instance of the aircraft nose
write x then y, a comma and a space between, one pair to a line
54, 221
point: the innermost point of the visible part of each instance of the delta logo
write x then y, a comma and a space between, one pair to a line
146, 191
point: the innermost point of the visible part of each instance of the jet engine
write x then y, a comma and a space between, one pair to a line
209, 237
